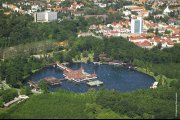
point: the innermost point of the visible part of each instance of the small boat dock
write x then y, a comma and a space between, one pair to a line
95, 83
116, 63
154, 85
33, 85
53, 80
98, 63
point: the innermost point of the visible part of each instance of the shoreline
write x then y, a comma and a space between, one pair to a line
36, 71
162, 79
150, 73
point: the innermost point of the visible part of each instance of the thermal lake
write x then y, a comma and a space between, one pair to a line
113, 78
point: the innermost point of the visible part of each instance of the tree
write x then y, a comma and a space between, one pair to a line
157, 31
66, 3
9, 95
58, 57
172, 14
85, 54
26, 69
167, 31
92, 110
175, 84
150, 30
1, 102
108, 114
159, 45
44, 86
69, 55
25, 91
96, 57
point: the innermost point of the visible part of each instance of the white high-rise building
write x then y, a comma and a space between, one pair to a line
166, 11
137, 25
46, 16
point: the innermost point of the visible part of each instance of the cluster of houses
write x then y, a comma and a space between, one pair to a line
150, 40
144, 40
72, 8
126, 28
24, 7
134, 8
46, 10
12, 7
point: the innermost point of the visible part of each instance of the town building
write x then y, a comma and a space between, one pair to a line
78, 75
166, 11
35, 8
46, 16
137, 25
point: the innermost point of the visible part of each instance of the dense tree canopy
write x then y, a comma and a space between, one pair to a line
18, 29
119, 48
15, 70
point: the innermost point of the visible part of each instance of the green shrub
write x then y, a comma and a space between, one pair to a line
9, 95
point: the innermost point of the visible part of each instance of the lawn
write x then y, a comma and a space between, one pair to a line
60, 104
160, 78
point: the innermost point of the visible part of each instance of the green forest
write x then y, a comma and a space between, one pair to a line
20, 30
103, 104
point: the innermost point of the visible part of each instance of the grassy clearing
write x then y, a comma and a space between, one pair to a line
4, 85
83, 59
54, 105
162, 79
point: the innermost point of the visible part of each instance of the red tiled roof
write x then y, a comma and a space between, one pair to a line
12, 6
142, 0
60, 43
137, 38
114, 23
136, 8
155, 40
169, 42
143, 44
176, 34
7, 13
77, 74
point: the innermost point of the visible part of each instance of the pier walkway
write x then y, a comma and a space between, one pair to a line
95, 83
62, 67
33, 84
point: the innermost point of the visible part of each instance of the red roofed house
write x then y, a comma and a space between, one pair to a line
13, 7
144, 13
144, 44
167, 43
139, 1
137, 39
76, 6
138, 8
174, 30
7, 13
78, 13
78, 75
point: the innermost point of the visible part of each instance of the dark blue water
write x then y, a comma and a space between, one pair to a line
114, 78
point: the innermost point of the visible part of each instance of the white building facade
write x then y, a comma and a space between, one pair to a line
46, 16
137, 25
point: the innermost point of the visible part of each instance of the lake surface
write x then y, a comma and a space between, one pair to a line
114, 78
